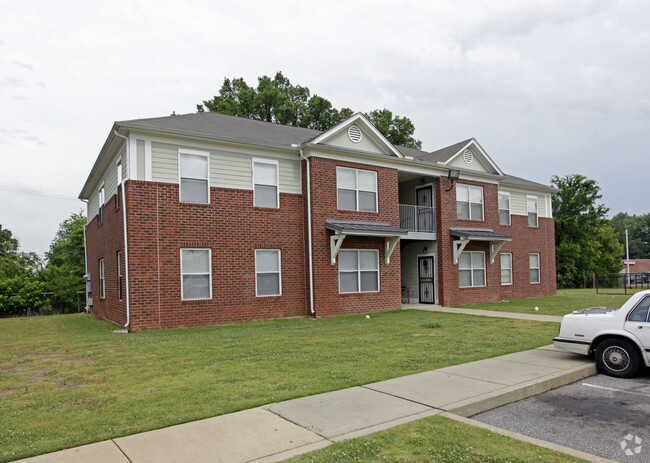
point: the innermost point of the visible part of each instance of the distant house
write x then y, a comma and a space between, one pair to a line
637, 266
206, 218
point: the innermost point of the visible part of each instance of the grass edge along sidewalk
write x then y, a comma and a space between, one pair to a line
69, 380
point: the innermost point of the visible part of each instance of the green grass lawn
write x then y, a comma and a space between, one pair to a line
566, 301
69, 380
432, 440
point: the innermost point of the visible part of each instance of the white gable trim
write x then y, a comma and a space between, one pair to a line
474, 143
358, 119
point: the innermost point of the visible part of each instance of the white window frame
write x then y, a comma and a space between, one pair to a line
101, 198
507, 195
182, 151
469, 201
538, 268
357, 189
529, 211
471, 269
209, 250
120, 288
505, 268
276, 185
259, 272
102, 279
359, 270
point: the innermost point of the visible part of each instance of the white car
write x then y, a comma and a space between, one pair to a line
620, 338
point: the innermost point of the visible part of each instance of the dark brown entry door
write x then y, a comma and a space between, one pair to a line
424, 197
425, 277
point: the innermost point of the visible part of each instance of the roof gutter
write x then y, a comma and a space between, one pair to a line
311, 265
126, 240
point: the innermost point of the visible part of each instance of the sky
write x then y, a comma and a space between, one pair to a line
546, 87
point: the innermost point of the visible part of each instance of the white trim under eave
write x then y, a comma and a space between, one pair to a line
481, 150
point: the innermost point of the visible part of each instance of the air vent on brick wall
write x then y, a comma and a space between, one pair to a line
468, 156
354, 134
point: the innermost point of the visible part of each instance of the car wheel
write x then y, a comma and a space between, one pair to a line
618, 358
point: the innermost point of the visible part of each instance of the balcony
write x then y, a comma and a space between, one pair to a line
420, 221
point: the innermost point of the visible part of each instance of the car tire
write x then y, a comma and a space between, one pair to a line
618, 358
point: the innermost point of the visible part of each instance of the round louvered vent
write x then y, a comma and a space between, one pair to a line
354, 134
468, 156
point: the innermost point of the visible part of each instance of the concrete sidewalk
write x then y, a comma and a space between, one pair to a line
485, 313
283, 430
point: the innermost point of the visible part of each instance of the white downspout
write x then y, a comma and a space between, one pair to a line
86, 257
311, 268
126, 240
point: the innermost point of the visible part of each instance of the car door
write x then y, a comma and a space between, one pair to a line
638, 324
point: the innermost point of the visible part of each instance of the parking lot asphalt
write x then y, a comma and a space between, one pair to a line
601, 415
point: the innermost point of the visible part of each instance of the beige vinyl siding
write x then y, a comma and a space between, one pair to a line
366, 144
227, 170
110, 184
518, 203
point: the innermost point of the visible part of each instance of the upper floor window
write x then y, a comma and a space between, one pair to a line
268, 276
534, 268
471, 269
265, 183
196, 273
100, 211
194, 168
357, 189
531, 206
358, 271
506, 268
469, 202
504, 208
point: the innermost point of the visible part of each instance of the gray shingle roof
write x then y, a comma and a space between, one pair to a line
370, 228
479, 234
215, 125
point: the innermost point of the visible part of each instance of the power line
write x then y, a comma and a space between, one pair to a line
37, 193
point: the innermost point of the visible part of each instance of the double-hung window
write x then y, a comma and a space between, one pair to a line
504, 208
469, 202
265, 183
356, 189
194, 170
358, 271
196, 273
506, 268
102, 281
119, 276
471, 269
534, 268
268, 274
100, 211
531, 206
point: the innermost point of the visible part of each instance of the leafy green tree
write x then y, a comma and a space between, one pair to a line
585, 242
278, 100
64, 272
638, 227
20, 286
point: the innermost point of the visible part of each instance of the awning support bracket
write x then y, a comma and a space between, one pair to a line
391, 243
495, 247
335, 245
459, 246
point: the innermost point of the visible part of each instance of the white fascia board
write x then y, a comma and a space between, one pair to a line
473, 142
359, 119
104, 161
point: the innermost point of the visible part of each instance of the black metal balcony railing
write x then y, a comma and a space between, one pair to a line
417, 218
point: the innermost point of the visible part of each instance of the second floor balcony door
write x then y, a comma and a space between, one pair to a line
424, 197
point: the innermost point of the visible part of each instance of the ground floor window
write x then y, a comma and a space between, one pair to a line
471, 269
506, 268
102, 284
196, 273
534, 268
358, 271
119, 276
268, 274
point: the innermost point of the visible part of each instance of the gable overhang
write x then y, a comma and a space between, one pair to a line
474, 143
344, 228
465, 235
359, 119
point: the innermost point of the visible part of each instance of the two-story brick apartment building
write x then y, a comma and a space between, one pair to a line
206, 218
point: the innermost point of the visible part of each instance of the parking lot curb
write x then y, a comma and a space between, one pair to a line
511, 394
528, 439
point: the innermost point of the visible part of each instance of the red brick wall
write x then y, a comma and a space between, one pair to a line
327, 300
104, 241
525, 240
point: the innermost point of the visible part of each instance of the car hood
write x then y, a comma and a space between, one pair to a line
593, 312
